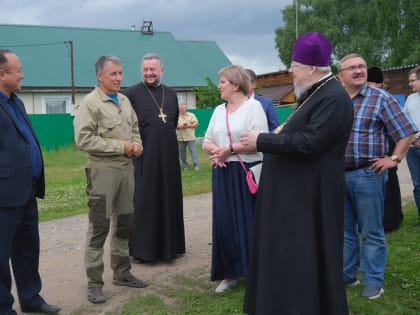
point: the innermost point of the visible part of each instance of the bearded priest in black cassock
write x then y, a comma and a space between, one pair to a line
297, 247
157, 232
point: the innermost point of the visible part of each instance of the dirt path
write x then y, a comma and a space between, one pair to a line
61, 262
62, 245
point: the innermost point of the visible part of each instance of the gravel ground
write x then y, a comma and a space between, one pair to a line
63, 275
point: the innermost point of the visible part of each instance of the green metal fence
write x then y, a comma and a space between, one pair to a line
204, 115
55, 130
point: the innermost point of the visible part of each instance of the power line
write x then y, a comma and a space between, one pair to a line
67, 43
69, 50
35, 45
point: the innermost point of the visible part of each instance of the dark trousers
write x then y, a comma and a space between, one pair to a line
19, 242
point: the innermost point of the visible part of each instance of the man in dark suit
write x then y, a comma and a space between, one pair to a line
21, 181
267, 104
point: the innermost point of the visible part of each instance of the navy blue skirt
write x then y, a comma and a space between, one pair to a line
233, 207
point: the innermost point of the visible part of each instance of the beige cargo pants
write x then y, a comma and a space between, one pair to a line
110, 202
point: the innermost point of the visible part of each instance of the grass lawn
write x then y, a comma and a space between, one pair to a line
65, 196
66, 182
402, 275
194, 295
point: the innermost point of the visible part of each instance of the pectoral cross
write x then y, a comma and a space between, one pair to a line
162, 115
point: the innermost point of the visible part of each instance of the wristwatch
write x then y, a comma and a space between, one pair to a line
416, 136
231, 149
395, 158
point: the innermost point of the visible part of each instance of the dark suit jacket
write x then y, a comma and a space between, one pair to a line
15, 162
270, 111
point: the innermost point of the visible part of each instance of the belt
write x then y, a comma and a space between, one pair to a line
357, 166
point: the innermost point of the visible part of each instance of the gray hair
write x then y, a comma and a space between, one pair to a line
151, 56
103, 60
326, 69
322, 70
348, 57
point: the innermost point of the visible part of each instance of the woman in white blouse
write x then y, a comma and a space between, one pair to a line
233, 204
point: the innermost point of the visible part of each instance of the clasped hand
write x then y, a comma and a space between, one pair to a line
132, 149
219, 156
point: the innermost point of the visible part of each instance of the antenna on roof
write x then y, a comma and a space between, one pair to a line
147, 27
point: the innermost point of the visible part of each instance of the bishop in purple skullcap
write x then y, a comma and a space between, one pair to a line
312, 49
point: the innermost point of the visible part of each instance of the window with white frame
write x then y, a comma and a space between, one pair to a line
56, 104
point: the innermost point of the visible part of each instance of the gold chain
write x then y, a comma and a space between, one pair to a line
280, 128
162, 114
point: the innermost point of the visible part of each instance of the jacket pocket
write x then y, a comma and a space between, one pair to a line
107, 127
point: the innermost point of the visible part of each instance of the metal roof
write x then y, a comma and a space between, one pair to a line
401, 67
277, 92
45, 55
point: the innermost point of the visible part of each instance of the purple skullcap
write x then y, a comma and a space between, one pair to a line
312, 49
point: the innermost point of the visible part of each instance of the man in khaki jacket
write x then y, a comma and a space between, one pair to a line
106, 127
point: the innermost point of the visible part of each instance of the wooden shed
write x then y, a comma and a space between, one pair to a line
279, 85
396, 79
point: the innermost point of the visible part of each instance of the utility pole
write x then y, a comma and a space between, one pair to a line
297, 17
73, 98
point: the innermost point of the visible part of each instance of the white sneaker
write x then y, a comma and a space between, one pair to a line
352, 283
225, 284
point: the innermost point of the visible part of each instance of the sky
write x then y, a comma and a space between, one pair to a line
243, 29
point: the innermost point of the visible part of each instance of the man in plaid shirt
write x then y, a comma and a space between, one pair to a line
377, 117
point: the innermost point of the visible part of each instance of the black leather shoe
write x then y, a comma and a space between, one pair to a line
45, 308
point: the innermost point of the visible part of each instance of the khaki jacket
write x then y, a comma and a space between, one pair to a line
101, 127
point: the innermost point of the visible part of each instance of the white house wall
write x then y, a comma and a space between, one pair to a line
188, 98
33, 100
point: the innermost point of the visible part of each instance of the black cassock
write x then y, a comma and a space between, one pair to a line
296, 254
157, 232
392, 206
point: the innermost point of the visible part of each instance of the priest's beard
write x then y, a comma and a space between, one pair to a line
301, 91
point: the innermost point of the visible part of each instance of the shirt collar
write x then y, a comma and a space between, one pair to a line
364, 90
7, 99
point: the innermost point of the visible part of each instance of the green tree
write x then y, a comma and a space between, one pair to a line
385, 32
399, 20
208, 96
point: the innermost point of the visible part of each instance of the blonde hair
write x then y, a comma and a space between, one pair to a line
238, 76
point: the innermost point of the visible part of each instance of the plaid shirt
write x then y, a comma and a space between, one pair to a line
377, 116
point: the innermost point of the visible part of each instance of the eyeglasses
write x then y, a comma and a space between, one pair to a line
354, 68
